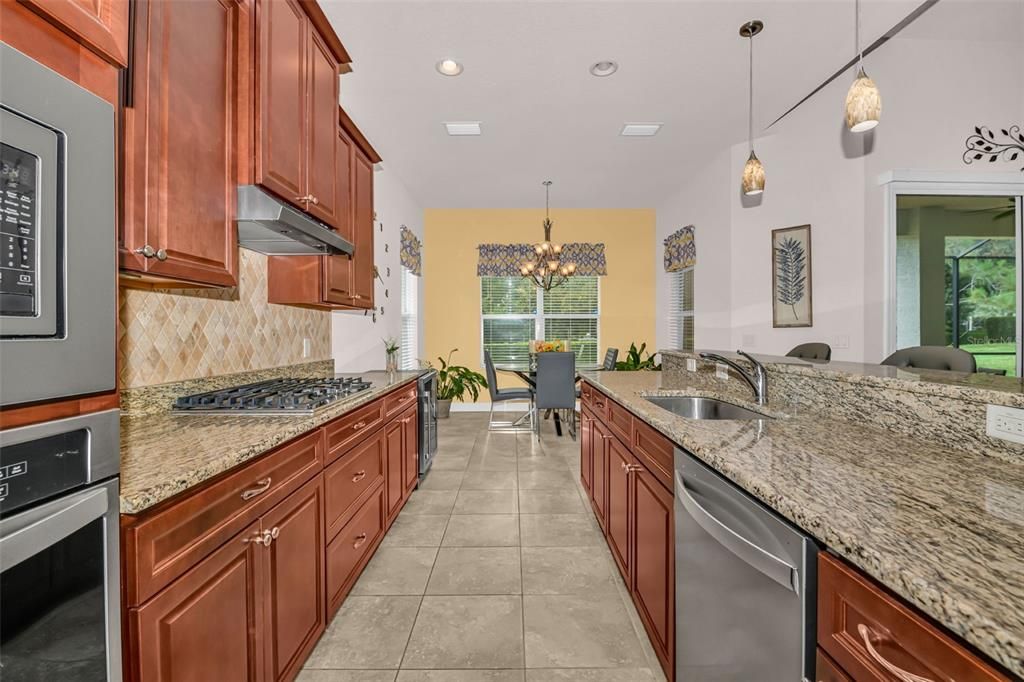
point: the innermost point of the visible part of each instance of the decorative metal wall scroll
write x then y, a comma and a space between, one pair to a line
1007, 144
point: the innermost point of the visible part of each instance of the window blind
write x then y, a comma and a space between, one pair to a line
681, 309
408, 340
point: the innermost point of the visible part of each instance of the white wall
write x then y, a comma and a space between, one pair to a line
356, 340
934, 92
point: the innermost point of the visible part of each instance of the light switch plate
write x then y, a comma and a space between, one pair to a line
841, 341
691, 364
1005, 423
721, 370
307, 345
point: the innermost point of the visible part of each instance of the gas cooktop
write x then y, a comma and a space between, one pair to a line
273, 397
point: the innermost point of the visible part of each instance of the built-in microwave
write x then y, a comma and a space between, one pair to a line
58, 268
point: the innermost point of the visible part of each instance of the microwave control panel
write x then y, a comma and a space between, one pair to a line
18, 254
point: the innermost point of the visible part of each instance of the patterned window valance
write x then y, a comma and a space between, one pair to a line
680, 250
410, 253
503, 260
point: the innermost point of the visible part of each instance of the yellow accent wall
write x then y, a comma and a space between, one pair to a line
451, 306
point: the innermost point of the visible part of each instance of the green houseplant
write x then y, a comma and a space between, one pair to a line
635, 361
454, 382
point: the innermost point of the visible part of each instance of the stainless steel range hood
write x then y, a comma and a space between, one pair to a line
270, 226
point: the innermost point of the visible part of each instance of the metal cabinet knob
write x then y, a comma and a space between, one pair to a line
148, 251
313, 200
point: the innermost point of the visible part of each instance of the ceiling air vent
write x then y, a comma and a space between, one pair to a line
456, 128
640, 129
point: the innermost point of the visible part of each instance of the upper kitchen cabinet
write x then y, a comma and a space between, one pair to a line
102, 25
298, 60
183, 126
336, 282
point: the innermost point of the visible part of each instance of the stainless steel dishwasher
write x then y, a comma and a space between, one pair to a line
745, 584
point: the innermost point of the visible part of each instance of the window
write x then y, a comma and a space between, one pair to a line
409, 337
514, 312
681, 310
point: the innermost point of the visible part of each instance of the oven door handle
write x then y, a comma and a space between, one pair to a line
26, 534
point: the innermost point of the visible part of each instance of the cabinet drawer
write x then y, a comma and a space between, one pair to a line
586, 395
599, 404
620, 420
654, 451
399, 400
826, 670
348, 553
168, 542
349, 429
350, 479
870, 634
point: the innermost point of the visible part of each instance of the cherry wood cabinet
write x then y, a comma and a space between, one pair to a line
296, 112
102, 25
869, 634
181, 140
586, 450
362, 230
653, 547
295, 581
410, 450
620, 505
826, 669
599, 489
394, 436
207, 625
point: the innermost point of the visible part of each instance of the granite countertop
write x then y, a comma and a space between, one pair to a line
942, 528
166, 453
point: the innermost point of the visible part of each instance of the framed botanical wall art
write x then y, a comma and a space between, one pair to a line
791, 277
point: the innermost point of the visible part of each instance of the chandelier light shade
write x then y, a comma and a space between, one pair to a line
547, 270
753, 175
753, 172
863, 101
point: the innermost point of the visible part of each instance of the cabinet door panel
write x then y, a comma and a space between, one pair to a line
410, 447
394, 480
281, 89
322, 160
654, 561
362, 275
100, 24
295, 582
586, 450
338, 269
204, 626
349, 480
599, 493
619, 494
181, 172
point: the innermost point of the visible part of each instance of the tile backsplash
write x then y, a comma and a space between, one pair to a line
177, 334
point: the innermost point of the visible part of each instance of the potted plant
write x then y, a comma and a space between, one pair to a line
453, 382
635, 362
391, 352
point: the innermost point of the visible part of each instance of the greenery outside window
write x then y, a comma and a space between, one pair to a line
515, 312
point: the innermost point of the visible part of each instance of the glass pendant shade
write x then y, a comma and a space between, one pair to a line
863, 104
753, 175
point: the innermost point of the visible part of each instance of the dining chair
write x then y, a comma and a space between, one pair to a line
811, 351
610, 356
505, 395
933, 357
556, 386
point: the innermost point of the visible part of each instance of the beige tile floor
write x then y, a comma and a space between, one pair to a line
495, 571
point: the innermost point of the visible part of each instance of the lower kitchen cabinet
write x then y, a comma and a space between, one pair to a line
402, 460
208, 624
410, 450
653, 544
599, 458
349, 552
620, 511
586, 450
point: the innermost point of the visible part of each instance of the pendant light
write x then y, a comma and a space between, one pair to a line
863, 101
753, 171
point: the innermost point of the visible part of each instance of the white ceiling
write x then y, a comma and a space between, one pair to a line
544, 116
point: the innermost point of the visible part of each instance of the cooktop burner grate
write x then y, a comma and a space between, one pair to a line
275, 396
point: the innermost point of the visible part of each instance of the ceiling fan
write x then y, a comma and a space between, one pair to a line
1000, 211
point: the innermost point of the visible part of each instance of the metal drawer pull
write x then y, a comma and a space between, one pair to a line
360, 475
633, 468
360, 539
358, 425
897, 672
262, 486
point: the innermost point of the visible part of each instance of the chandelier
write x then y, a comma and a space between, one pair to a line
547, 270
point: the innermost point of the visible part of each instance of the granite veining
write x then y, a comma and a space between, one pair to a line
945, 408
943, 531
165, 453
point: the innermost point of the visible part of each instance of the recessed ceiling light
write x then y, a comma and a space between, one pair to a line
603, 68
463, 127
449, 67
640, 129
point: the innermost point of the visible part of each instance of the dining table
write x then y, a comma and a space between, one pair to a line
529, 376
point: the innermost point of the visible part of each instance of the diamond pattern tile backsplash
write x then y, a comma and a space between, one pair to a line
176, 334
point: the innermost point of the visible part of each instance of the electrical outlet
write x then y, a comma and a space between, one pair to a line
721, 370
691, 364
748, 340
307, 347
1006, 423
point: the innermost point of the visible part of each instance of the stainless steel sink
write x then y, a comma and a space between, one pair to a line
692, 407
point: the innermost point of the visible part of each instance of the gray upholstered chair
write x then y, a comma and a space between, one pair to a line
811, 351
933, 357
556, 385
527, 422
610, 356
